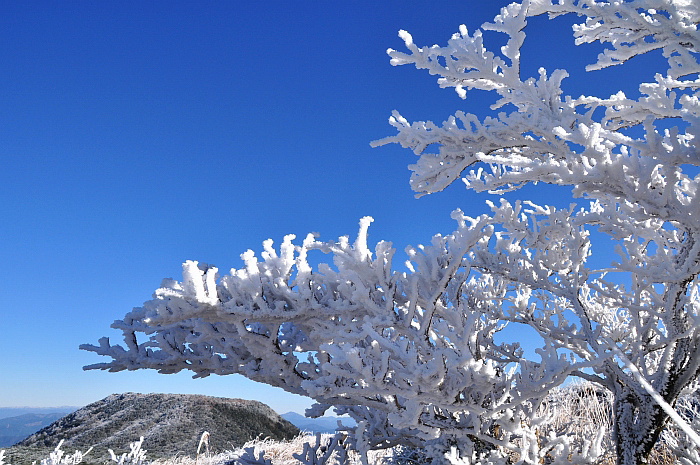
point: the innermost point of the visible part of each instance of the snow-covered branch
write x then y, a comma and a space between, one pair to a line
424, 357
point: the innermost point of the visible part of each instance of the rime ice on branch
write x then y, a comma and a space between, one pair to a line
413, 356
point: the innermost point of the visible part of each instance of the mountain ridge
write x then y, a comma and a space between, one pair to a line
171, 424
8, 412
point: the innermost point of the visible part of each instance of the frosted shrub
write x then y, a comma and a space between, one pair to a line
287, 452
203, 441
318, 449
583, 411
136, 456
678, 444
419, 358
57, 457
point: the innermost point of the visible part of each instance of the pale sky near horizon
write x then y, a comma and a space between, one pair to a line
137, 135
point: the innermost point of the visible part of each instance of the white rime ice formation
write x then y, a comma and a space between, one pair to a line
413, 357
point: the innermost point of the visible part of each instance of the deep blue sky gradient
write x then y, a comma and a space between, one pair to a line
137, 135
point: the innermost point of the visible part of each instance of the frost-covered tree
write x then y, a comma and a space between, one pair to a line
416, 357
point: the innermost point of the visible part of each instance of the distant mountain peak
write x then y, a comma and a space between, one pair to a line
14, 429
7, 412
170, 423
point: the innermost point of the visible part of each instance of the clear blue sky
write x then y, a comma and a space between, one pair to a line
137, 135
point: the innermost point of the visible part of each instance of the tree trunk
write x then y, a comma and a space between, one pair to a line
639, 422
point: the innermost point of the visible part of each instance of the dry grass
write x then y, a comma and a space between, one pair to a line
583, 409
276, 452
